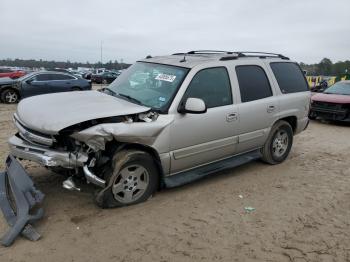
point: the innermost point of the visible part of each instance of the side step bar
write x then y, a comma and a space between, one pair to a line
203, 171
19, 201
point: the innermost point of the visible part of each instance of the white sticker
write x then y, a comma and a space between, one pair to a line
162, 99
165, 77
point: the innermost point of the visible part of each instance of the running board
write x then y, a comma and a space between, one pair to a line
203, 171
19, 202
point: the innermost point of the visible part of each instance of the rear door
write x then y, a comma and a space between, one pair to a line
259, 105
61, 83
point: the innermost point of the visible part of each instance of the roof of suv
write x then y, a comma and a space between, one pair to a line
194, 58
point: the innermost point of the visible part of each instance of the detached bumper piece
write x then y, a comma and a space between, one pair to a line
19, 202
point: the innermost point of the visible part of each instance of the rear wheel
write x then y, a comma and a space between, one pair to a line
104, 81
9, 96
133, 179
278, 144
76, 89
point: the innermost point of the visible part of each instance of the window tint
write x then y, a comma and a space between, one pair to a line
289, 77
253, 83
212, 85
42, 77
60, 77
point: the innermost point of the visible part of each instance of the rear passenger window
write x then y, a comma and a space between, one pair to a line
253, 83
42, 77
212, 85
289, 76
61, 77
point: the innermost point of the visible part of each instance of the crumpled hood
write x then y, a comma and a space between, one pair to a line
331, 98
51, 113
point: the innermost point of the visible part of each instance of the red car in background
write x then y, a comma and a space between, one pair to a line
333, 103
4, 72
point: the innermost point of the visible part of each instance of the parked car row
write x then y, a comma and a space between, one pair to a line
13, 74
104, 78
37, 83
333, 103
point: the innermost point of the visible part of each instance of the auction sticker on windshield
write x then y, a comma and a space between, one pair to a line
165, 77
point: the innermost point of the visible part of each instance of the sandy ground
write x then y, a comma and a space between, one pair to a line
302, 212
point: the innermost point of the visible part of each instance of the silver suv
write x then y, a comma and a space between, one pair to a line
166, 121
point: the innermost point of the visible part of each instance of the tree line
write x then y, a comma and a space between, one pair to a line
32, 63
327, 68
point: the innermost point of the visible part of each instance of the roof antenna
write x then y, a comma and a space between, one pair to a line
183, 59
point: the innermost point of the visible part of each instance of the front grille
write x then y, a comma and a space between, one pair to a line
327, 105
33, 136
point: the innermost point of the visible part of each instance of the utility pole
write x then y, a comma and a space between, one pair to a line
101, 54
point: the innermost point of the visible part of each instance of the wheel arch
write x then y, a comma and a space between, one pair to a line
115, 146
292, 120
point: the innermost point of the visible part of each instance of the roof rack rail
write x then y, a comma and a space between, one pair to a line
259, 54
193, 52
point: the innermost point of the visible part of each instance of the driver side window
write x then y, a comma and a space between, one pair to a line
212, 85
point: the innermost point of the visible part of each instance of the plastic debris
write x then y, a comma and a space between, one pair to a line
249, 209
240, 196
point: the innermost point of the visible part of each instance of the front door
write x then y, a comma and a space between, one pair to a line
198, 139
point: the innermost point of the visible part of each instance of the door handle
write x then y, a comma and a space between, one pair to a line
231, 117
270, 109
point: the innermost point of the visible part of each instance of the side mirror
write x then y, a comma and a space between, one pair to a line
29, 81
193, 106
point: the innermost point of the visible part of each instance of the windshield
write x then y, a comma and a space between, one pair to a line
26, 76
340, 88
152, 85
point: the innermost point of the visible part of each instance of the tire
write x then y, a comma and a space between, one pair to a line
104, 81
76, 89
133, 178
9, 96
278, 144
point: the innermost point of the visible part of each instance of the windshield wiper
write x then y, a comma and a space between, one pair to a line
111, 91
130, 98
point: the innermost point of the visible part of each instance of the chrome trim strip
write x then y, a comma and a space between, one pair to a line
30, 137
209, 146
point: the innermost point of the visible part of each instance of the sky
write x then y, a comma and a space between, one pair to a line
305, 30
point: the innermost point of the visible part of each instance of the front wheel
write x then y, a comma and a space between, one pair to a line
133, 179
9, 96
278, 144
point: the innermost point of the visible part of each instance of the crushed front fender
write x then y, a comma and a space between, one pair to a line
19, 202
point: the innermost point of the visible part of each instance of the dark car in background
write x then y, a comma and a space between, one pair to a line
44, 82
13, 74
104, 78
333, 103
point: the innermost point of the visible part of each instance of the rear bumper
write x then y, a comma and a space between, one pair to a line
45, 155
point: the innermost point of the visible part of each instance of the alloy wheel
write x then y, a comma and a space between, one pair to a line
130, 184
280, 143
11, 97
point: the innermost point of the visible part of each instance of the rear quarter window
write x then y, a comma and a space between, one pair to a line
289, 76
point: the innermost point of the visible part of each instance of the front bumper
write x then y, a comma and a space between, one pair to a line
330, 114
19, 202
45, 155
